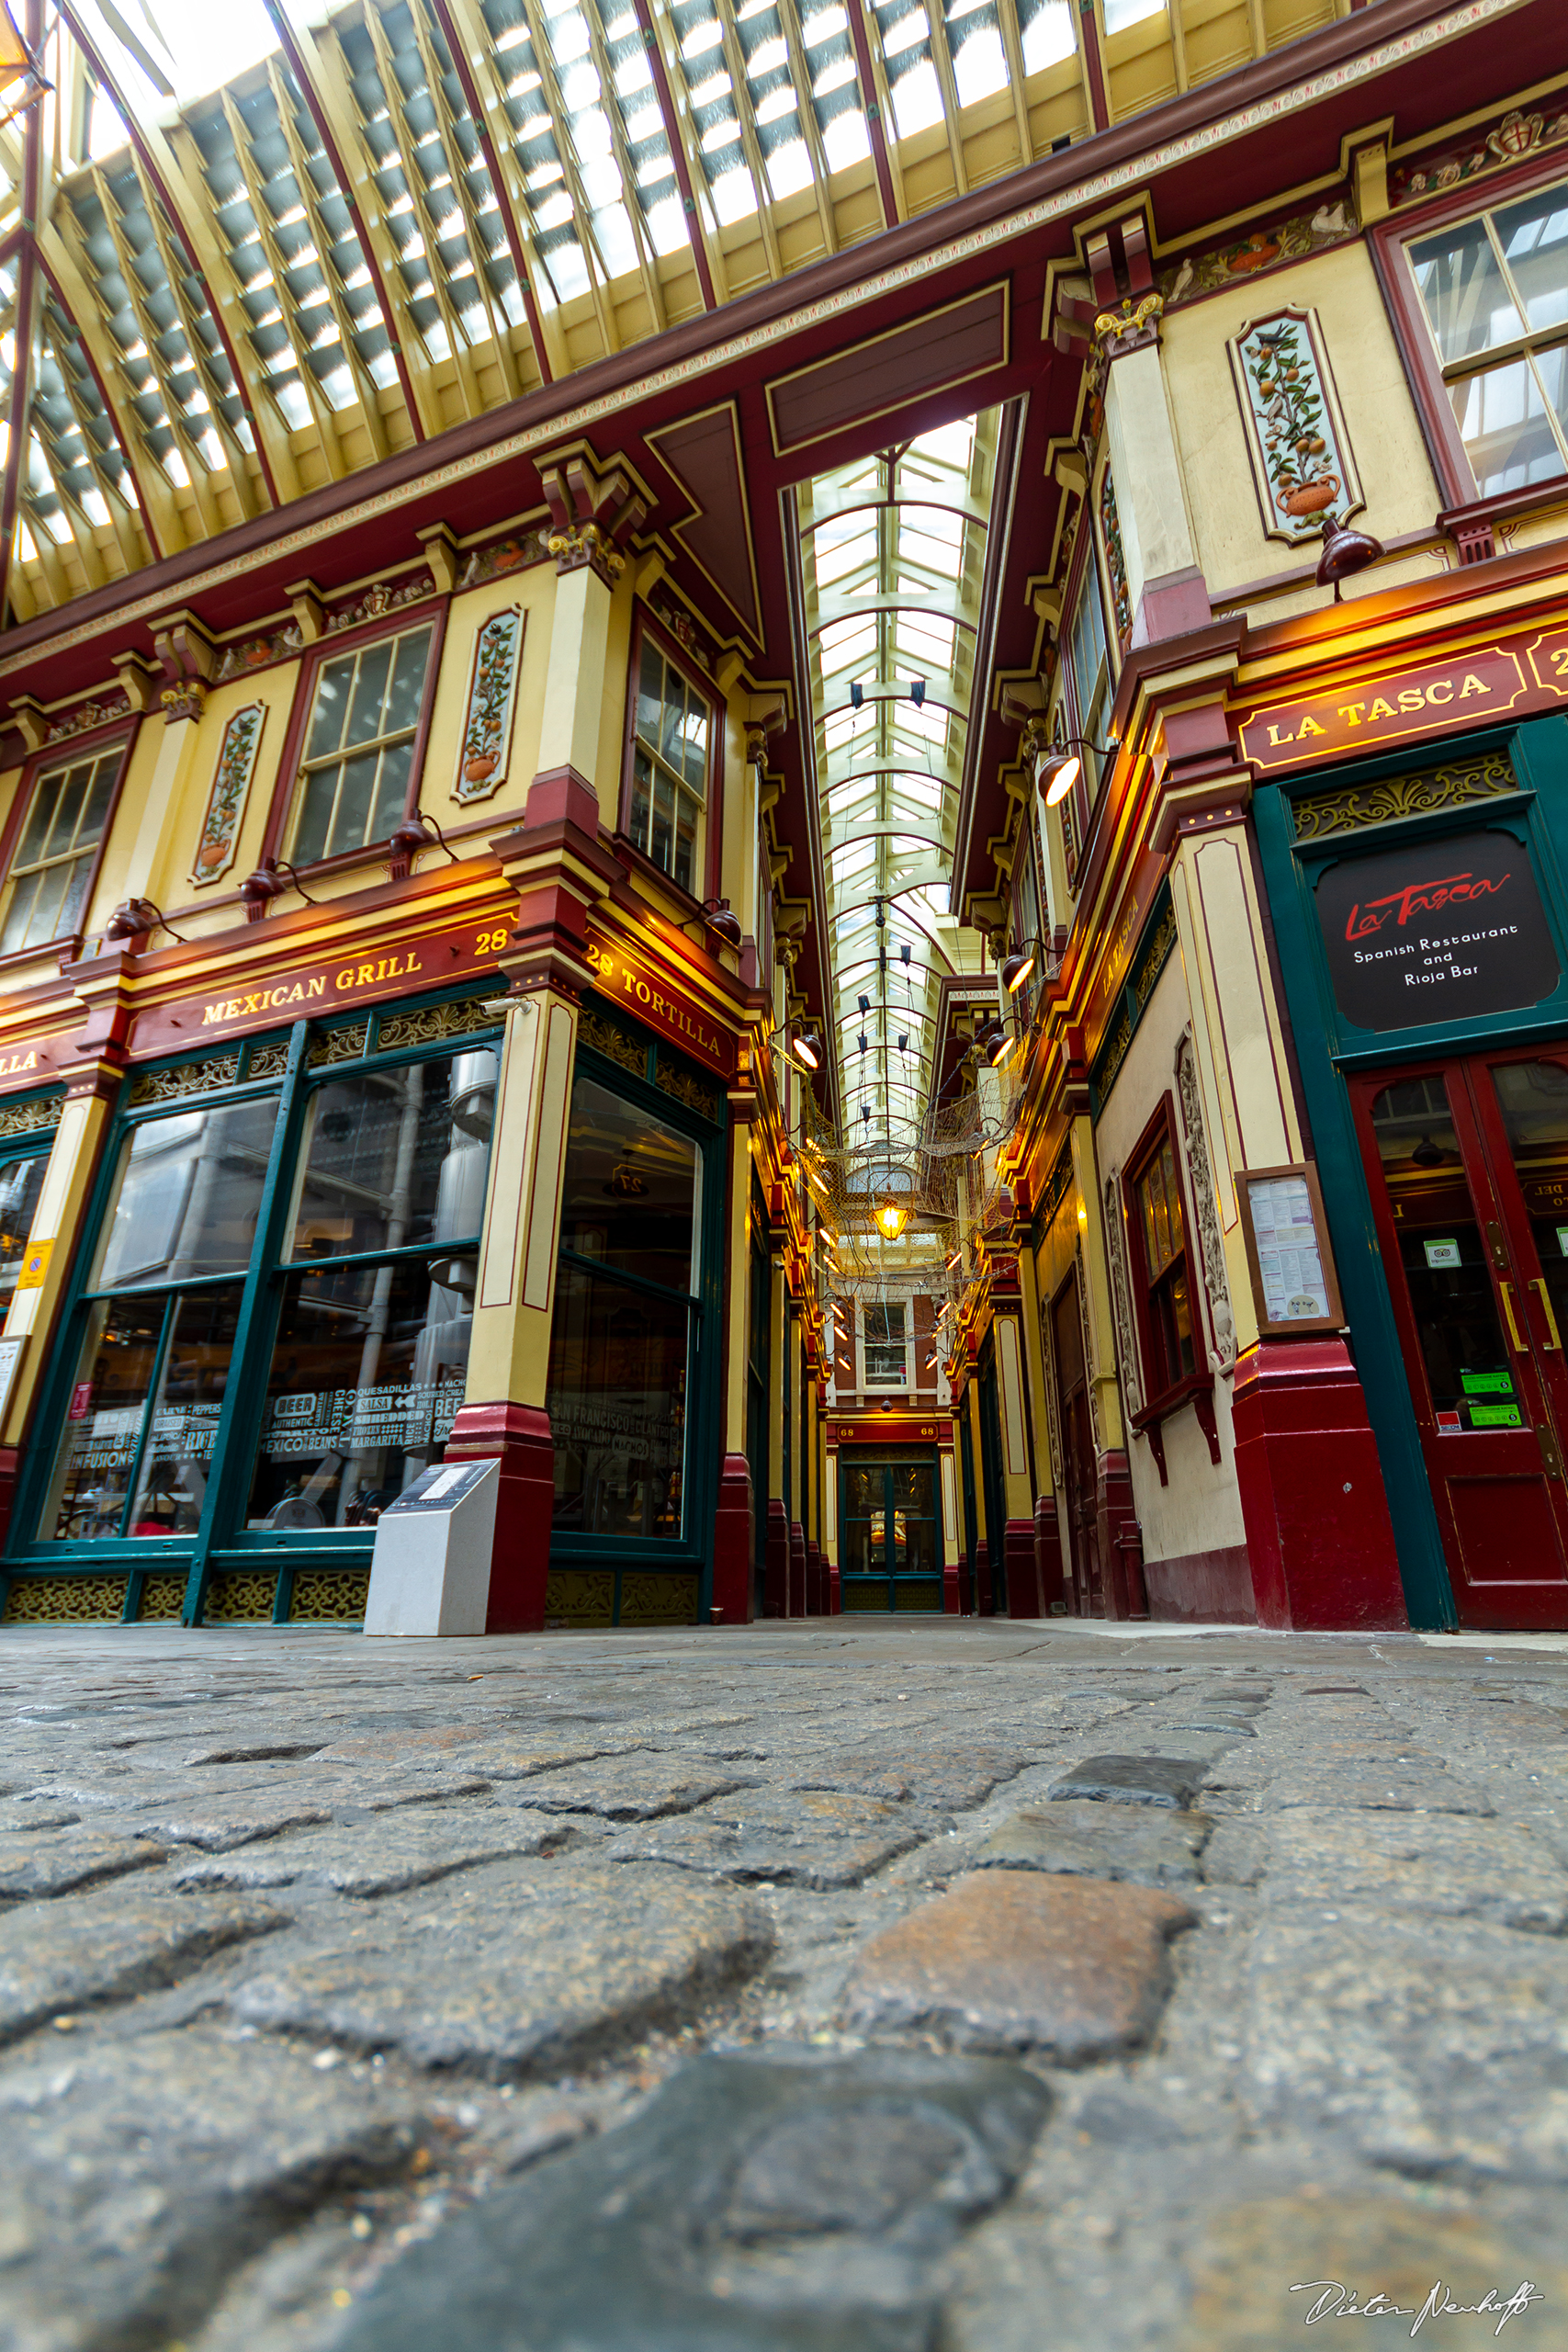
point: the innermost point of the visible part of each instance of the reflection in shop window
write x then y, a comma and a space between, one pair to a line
21, 1181
619, 1348
369, 1355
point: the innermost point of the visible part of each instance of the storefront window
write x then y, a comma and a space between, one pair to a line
1494, 289
621, 1342
47, 885
21, 1181
1160, 1256
671, 728
358, 755
358, 1345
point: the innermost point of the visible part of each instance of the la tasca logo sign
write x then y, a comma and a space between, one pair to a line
1450, 931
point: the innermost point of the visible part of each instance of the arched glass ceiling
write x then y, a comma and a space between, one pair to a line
892, 557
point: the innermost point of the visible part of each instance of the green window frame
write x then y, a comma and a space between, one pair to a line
288, 1078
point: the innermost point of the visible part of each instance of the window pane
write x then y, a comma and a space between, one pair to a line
393, 1158
408, 682
1463, 289
99, 798
19, 916
1534, 238
188, 1195
642, 787
662, 838
392, 792
650, 694
103, 1422
1551, 371
67, 809
350, 826
672, 720
181, 1440
369, 688
630, 1195
47, 902
315, 815
686, 814
41, 818
696, 745
74, 893
616, 1398
1503, 423
332, 706
1183, 1358
21, 1181
368, 1375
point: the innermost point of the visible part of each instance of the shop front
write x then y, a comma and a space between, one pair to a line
265, 1335
1423, 925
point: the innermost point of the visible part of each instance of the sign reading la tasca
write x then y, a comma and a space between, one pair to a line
1441, 931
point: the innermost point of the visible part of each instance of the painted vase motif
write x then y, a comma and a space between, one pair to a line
487, 730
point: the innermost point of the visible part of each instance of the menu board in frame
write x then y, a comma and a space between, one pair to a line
1294, 1288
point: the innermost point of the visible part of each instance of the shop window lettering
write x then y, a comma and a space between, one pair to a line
1420, 898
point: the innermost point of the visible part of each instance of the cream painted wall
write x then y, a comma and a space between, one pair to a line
1401, 493
1199, 1510
169, 882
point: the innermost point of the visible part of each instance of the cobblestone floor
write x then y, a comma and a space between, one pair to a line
877, 1988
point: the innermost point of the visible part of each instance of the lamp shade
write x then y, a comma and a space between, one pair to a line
891, 1218
1058, 778
1344, 551
806, 1048
724, 923
1016, 970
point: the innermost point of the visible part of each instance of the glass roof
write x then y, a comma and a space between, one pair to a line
273, 243
893, 554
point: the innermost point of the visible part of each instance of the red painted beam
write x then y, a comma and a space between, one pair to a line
873, 114
492, 164
291, 48
677, 149
128, 116
26, 295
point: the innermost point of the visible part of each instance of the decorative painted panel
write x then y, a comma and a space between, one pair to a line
1115, 560
1120, 1297
1221, 1355
1489, 776
1302, 468
231, 790
492, 693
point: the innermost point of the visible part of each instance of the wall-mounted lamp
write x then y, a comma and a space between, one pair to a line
1061, 771
1345, 552
719, 917
806, 1048
135, 919
416, 832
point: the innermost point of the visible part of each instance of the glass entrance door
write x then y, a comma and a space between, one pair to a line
889, 1543
1468, 1163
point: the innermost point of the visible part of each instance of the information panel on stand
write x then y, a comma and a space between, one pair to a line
1294, 1290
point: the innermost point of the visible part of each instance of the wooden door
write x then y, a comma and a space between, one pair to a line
1477, 1316
1077, 1450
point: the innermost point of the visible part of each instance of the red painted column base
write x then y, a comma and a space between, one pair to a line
1023, 1572
983, 1579
734, 1537
518, 1436
775, 1570
1048, 1554
1318, 1532
1113, 1503
797, 1570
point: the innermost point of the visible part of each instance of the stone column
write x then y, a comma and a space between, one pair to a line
775, 1585
734, 1539
1319, 1536
555, 863
1166, 589
1113, 1485
1047, 1533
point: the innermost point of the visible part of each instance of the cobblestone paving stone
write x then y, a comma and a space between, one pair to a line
870, 1988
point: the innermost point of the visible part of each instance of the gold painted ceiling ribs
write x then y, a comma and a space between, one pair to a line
413, 210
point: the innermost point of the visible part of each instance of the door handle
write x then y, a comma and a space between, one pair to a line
1556, 1339
1520, 1343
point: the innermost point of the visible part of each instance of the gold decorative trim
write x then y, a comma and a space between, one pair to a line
608, 1037
31, 1118
684, 1086
339, 1044
65, 1601
1488, 777
189, 1077
656, 1596
433, 1022
579, 1596
334, 1595
162, 1597
240, 1596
